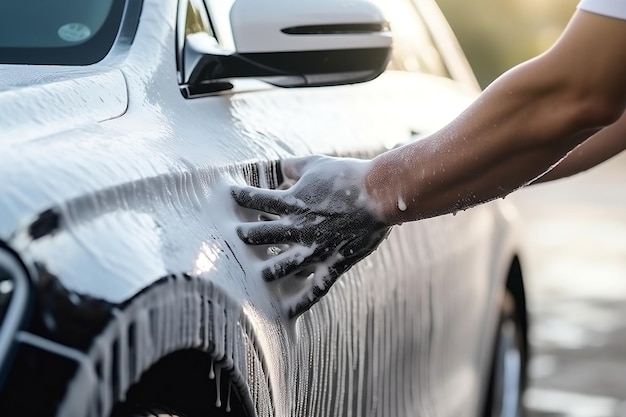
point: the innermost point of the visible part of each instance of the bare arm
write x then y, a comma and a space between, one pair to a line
600, 147
521, 126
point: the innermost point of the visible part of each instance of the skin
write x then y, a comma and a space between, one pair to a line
600, 147
523, 124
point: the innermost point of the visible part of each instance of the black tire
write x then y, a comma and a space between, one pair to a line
509, 363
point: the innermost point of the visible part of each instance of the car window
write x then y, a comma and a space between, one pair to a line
413, 46
66, 32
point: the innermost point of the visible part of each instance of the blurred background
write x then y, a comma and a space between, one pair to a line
497, 34
574, 233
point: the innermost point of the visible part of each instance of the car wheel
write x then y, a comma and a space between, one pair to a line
508, 374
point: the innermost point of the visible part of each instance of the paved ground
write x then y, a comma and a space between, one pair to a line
575, 239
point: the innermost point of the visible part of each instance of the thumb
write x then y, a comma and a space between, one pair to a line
293, 168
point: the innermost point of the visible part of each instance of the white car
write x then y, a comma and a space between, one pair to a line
124, 289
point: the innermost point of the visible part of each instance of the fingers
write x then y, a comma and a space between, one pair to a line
286, 263
304, 291
293, 168
269, 201
267, 233
317, 286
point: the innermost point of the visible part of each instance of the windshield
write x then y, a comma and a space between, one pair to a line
65, 32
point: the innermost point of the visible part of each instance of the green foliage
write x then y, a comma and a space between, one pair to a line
498, 34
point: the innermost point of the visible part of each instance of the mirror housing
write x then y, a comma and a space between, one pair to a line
295, 44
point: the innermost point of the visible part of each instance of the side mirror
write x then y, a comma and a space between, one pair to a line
296, 44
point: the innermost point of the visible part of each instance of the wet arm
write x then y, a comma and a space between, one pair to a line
523, 124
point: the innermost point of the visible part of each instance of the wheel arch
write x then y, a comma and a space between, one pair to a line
178, 319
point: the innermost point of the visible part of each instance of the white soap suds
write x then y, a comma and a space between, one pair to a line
273, 251
401, 204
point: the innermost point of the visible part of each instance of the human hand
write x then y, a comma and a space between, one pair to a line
326, 222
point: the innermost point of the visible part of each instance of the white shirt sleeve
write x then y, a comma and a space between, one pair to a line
612, 8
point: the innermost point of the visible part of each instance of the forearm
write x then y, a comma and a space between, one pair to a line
447, 172
520, 127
